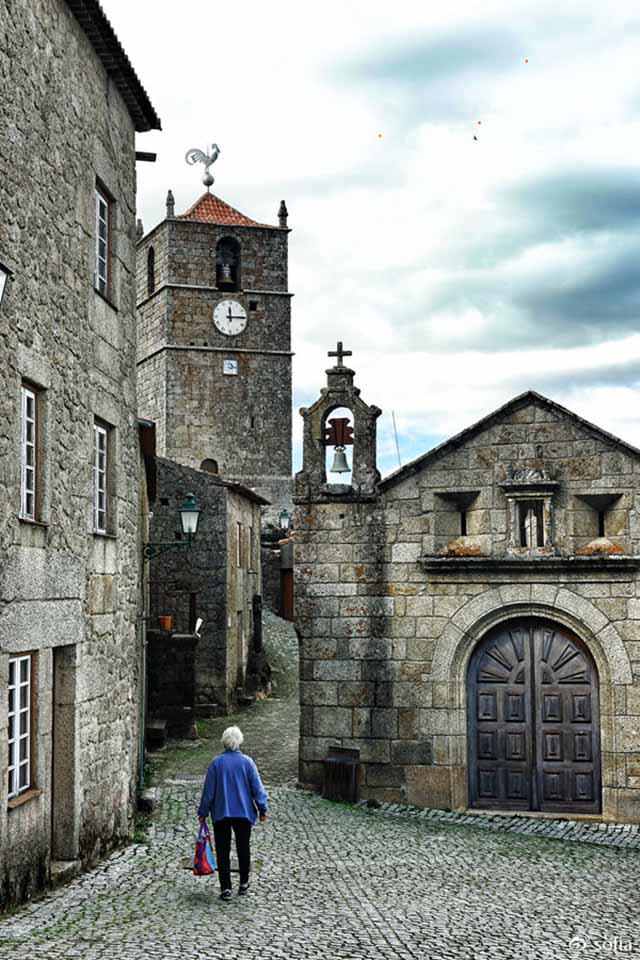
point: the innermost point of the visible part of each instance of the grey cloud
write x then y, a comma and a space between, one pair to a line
571, 201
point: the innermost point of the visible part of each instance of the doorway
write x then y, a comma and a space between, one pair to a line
533, 721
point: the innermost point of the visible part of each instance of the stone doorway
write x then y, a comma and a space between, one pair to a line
533, 720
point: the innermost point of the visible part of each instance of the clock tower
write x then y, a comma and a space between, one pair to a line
214, 344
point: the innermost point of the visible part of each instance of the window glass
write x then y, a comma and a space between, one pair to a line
28, 455
20, 722
100, 479
102, 243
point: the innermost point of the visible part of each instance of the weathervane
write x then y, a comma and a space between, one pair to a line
198, 156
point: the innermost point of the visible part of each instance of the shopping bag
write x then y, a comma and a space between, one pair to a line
203, 861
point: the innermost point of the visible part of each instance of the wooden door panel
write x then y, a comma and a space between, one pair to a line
532, 692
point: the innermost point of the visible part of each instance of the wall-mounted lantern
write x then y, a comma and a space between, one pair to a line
189, 519
285, 520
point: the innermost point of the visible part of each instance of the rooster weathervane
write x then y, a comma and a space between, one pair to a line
199, 156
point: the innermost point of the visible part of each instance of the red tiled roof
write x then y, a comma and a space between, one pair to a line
211, 209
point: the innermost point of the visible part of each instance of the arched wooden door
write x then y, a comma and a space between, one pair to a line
533, 721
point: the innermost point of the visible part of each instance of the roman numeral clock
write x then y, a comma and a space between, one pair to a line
214, 334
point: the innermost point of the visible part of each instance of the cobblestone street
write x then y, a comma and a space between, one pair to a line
335, 881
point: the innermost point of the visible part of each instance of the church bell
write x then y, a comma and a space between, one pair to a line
226, 276
340, 464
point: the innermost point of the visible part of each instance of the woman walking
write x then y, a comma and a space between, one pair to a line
232, 791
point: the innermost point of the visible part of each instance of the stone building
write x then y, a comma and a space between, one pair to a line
214, 344
216, 578
69, 467
471, 623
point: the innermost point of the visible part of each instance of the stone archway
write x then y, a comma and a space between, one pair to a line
496, 606
533, 720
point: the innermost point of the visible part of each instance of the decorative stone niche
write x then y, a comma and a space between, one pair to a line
529, 493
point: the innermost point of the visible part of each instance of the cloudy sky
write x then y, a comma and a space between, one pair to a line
459, 271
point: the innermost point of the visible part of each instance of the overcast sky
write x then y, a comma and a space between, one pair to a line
459, 271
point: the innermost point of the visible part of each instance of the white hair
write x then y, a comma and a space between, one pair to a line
232, 738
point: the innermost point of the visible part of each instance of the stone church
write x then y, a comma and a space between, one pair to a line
470, 625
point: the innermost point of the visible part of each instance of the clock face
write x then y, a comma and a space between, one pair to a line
230, 317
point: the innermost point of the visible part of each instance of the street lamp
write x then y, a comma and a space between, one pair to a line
285, 519
5, 274
189, 520
190, 516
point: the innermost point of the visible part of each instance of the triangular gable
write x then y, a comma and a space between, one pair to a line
530, 396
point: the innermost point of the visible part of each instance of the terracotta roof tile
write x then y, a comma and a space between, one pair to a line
211, 209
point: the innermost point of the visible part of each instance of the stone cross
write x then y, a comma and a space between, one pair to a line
340, 353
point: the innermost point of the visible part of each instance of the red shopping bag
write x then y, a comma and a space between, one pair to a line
203, 861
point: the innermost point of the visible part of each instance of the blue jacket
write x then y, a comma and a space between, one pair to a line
232, 788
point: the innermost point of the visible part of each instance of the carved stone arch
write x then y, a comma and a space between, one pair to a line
479, 614
499, 605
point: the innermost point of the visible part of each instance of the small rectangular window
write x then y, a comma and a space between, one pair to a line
100, 477
601, 524
250, 549
28, 453
103, 241
239, 544
531, 523
20, 724
463, 523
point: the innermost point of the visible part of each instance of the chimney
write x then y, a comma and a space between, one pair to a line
283, 213
171, 206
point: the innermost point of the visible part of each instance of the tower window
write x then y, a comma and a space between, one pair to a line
253, 304
463, 523
228, 264
601, 524
151, 270
209, 465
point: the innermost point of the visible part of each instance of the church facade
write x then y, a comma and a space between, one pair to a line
471, 623
214, 344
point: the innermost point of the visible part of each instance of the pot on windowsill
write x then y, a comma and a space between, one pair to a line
165, 623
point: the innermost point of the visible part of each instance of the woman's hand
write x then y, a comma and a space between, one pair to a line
202, 819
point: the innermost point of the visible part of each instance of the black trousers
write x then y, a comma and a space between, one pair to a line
222, 834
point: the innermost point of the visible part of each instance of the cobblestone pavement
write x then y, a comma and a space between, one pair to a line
336, 882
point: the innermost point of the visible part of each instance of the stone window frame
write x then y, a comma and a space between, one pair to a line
151, 270
102, 277
515, 498
29, 512
103, 480
238, 544
23, 742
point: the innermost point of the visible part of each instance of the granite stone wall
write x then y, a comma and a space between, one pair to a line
391, 598
67, 595
205, 579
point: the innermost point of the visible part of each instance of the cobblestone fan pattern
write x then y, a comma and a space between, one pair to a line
340, 882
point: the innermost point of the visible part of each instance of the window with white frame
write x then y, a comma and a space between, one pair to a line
250, 548
28, 453
100, 477
239, 544
102, 242
20, 723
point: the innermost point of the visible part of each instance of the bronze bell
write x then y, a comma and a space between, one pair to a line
340, 464
226, 277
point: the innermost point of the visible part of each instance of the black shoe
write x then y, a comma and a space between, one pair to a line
244, 887
226, 895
